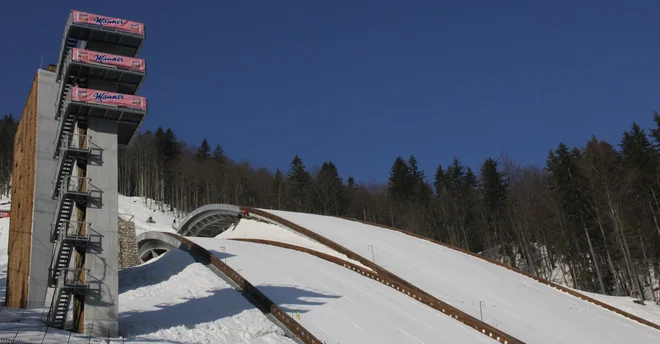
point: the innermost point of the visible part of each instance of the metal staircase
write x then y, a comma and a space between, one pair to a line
71, 236
72, 147
61, 260
72, 190
72, 283
60, 309
67, 235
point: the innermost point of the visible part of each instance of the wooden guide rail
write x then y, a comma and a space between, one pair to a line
394, 280
538, 279
264, 303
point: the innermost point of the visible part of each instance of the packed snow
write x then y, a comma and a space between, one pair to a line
531, 311
336, 304
142, 209
253, 229
649, 311
174, 298
139, 209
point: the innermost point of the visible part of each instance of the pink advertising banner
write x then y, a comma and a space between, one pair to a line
109, 22
94, 57
108, 98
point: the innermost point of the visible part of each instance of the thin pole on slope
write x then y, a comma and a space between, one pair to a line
481, 313
373, 257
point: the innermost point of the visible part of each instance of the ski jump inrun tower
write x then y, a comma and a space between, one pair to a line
96, 79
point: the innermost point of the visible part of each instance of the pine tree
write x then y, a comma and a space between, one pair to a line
219, 155
298, 182
439, 181
493, 189
421, 191
470, 179
493, 185
172, 151
204, 151
400, 186
454, 177
641, 163
329, 190
350, 183
279, 190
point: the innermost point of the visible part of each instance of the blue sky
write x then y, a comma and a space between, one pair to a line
360, 82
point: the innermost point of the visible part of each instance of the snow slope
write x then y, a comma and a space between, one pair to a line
247, 229
136, 206
531, 311
334, 303
252, 229
650, 311
174, 298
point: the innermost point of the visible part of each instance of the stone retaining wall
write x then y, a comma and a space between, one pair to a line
128, 250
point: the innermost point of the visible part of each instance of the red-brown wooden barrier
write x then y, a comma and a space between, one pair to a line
395, 281
264, 303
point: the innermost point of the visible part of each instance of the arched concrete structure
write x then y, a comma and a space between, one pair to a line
154, 244
209, 220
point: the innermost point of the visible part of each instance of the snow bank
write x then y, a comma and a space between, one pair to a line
174, 298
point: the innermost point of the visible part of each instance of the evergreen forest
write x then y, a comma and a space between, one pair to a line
589, 218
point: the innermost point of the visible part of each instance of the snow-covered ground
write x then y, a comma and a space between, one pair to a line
139, 211
649, 311
335, 303
4, 244
174, 298
259, 230
531, 311
252, 229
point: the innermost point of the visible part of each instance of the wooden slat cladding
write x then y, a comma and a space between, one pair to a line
22, 203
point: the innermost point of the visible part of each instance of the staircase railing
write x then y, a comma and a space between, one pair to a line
72, 281
72, 234
72, 231
74, 141
72, 187
74, 184
73, 278
71, 145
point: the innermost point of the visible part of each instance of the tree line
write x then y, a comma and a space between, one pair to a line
589, 218
8, 126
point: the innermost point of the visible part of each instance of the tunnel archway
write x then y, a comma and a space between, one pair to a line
209, 220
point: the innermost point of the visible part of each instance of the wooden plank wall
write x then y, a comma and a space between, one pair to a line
22, 203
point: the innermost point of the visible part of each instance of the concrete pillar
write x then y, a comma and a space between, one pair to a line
44, 205
102, 258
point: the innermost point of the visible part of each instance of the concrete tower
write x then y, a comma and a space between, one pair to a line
95, 111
